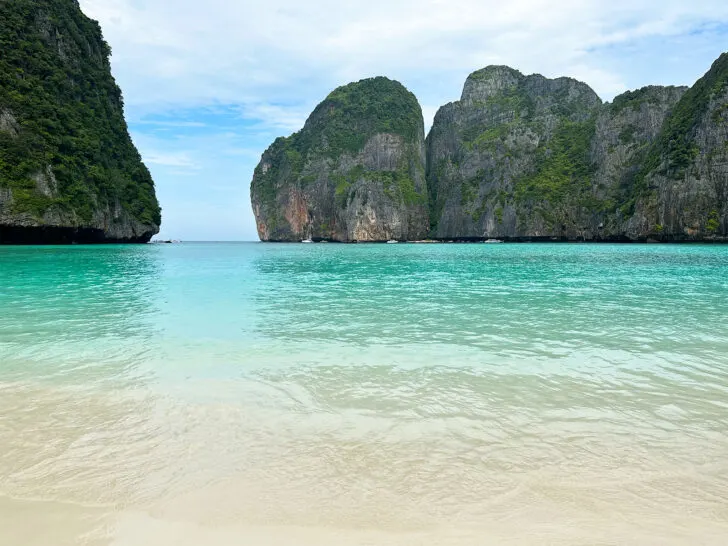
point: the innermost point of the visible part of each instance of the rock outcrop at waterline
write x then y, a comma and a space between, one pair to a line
69, 172
355, 172
495, 158
680, 191
525, 157
516, 158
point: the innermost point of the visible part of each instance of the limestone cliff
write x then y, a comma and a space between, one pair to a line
681, 190
510, 159
528, 158
517, 157
68, 169
355, 172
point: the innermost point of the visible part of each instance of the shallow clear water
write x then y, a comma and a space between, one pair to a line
364, 394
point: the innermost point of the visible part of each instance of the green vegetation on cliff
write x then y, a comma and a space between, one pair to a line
563, 166
675, 144
522, 141
675, 149
350, 116
55, 80
342, 124
355, 171
633, 99
353, 113
527, 156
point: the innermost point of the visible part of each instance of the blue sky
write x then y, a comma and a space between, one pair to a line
209, 85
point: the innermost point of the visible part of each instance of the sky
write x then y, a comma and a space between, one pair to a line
209, 85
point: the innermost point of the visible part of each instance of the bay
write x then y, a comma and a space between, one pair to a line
254, 393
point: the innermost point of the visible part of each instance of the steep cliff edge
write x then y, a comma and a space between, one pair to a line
355, 172
681, 190
68, 169
626, 131
511, 158
517, 157
524, 157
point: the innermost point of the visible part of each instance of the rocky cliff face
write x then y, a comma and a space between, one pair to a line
510, 159
517, 157
681, 190
625, 133
524, 157
355, 172
68, 169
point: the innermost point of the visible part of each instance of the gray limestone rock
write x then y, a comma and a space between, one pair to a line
355, 172
517, 157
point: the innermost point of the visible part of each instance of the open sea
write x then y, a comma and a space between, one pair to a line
324, 394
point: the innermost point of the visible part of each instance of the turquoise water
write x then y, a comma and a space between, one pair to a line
402, 394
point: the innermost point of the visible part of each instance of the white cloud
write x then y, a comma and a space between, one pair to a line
266, 53
170, 159
275, 116
172, 124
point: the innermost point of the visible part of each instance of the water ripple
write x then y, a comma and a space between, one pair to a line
430, 394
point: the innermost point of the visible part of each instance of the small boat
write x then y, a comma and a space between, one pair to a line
492, 241
307, 241
392, 242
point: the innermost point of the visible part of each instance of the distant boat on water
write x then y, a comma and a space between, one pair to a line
492, 241
392, 242
307, 241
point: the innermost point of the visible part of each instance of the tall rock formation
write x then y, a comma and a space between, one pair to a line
681, 189
528, 158
625, 131
511, 158
355, 172
69, 171
517, 158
